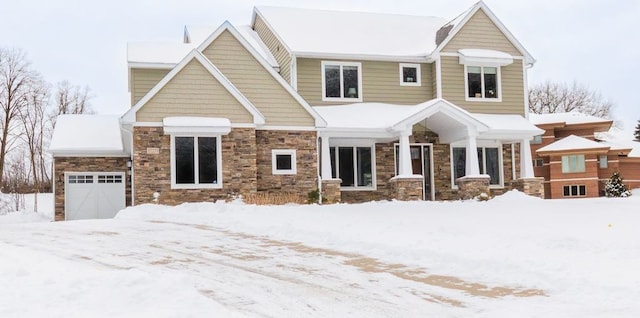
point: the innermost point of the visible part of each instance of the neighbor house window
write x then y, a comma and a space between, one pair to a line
573, 163
604, 162
283, 161
536, 140
489, 161
341, 81
574, 190
538, 162
196, 162
410, 74
483, 82
353, 165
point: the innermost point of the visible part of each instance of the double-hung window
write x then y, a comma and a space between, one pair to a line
573, 164
354, 165
341, 81
483, 82
489, 161
196, 162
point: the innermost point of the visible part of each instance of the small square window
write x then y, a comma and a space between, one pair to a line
538, 162
410, 74
283, 161
536, 140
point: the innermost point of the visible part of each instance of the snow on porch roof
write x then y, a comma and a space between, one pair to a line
365, 116
87, 135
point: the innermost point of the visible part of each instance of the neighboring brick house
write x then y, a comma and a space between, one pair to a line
400, 107
576, 155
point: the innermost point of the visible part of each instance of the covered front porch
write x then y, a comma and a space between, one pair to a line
374, 151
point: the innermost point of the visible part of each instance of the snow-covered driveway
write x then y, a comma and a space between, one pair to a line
165, 264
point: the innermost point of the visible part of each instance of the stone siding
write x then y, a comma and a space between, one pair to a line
86, 164
152, 168
306, 178
472, 187
331, 191
531, 186
406, 189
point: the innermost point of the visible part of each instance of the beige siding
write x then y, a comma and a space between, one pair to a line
242, 69
193, 92
277, 49
481, 33
453, 88
380, 83
434, 81
143, 80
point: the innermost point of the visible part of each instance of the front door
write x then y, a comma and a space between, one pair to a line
421, 164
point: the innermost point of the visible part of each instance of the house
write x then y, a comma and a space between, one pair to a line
400, 107
576, 155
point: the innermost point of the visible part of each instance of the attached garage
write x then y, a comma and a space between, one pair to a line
94, 195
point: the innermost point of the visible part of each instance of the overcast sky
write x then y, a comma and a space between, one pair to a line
593, 42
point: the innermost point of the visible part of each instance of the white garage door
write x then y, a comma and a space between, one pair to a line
94, 195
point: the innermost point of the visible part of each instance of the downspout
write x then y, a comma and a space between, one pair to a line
318, 168
131, 172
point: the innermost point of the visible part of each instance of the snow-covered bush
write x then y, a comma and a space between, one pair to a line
615, 188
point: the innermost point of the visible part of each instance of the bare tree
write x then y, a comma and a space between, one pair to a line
636, 133
554, 97
15, 77
71, 99
35, 130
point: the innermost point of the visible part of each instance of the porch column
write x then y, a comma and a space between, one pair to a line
472, 167
325, 157
526, 162
404, 152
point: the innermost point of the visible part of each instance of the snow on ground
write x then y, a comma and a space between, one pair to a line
512, 256
27, 213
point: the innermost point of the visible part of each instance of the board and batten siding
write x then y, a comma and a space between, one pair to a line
143, 80
380, 83
277, 49
512, 85
481, 33
256, 83
193, 92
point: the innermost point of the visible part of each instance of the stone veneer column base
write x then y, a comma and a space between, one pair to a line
530, 186
471, 187
331, 191
406, 188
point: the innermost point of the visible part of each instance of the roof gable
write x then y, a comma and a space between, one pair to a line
573, 144
258, 118
226, 27
457, 25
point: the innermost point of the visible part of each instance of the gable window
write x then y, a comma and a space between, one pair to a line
574, 191
410, 74
489, 160
196, 162
483, 82
283, 161
341, 81
354, 165
573, 164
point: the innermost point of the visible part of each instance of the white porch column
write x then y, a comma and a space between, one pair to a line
526, 162
325, 158
472, 167
404, 152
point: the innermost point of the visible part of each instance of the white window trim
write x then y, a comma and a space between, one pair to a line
482, 99
418, 81
274, 167
196, 185
324, 83
355, 164
454, 186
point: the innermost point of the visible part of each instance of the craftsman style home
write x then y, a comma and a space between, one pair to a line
353, 106
576, 155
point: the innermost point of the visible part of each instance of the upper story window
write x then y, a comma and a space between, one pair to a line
483, 82
573, 163
341, 81
604, 162
410, 74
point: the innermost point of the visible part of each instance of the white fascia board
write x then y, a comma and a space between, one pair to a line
445, 107
227, 26
364, 57
357, 133
163, 66
256, 12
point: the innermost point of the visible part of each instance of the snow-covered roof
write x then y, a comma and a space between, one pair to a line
379, 115
172, 53
200, 125
306, 31
508, 123
619, 139
571, 118
482, 57
87, 135
572, 142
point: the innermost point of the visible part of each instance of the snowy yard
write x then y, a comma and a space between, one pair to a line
513, 256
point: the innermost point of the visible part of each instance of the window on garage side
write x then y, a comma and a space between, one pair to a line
196, 162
